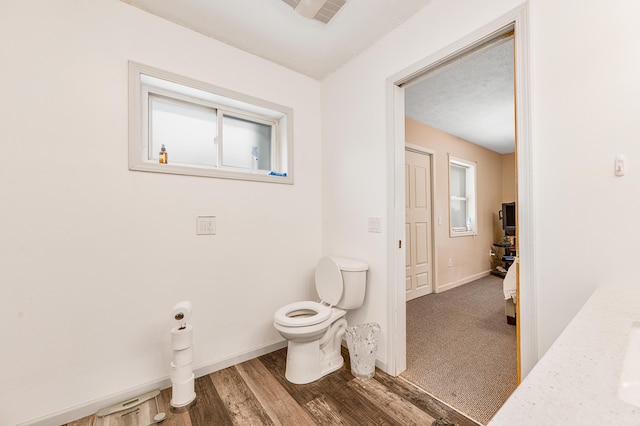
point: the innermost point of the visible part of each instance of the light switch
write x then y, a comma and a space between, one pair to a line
620, 165
374, 224
206, 225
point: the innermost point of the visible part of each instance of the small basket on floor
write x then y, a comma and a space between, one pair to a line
362, 341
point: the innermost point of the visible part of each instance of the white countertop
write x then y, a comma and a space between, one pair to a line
576, 381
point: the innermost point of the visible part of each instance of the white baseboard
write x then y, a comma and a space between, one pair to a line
91, 407
380, 364
462, 281
205, 369
383, 366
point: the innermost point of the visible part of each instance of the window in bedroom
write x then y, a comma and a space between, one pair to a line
182, 126
462, 197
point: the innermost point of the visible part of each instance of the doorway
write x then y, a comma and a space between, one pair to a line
463, 111
527, 343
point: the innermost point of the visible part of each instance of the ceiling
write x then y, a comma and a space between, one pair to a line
273, 30
471, 98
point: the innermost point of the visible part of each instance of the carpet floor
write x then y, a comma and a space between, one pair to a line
460, 348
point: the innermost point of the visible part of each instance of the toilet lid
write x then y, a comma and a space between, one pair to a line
300, 314
329, 281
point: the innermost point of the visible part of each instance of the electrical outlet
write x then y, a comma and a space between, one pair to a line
450, 262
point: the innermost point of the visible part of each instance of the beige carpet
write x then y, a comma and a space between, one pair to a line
460, 348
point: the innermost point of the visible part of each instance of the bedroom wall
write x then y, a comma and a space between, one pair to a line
508, 177
94, 256
469, 254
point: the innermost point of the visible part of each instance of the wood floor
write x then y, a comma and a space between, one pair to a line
256, 392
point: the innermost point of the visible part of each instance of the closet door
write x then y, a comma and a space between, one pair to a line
419, 276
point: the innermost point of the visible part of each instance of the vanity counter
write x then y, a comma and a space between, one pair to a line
576, 381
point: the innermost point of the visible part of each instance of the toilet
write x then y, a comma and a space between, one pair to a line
315, 329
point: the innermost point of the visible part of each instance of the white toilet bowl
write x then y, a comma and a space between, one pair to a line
314, 350
315, 330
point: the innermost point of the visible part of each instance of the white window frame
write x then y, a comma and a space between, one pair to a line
145, 80
471, 198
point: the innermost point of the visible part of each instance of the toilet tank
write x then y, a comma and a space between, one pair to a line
354, 279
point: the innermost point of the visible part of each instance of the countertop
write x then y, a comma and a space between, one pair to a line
576, 380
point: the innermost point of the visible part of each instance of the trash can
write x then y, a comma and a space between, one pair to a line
362, 341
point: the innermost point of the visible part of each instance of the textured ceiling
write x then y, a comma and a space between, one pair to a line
471, 98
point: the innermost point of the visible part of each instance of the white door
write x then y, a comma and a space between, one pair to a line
418, 226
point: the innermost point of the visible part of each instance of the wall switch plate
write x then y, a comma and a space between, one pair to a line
206, 225
620, 165
375, 224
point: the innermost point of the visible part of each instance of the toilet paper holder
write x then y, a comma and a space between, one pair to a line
182, 378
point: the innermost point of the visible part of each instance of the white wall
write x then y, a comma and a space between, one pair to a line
356, 142
94, 256
585, 103
586, 94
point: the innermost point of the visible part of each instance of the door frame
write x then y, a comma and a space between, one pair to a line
432, 176
516, 20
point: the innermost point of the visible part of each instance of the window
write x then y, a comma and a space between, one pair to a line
182, 126
462, 197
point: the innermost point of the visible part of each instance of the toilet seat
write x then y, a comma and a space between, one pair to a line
301, 314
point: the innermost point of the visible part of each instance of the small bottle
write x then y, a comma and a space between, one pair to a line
163, 155
254, 158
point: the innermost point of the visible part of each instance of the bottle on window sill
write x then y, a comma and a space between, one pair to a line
163, 155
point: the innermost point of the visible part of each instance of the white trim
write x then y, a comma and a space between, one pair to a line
419, 148
471, 196
463, 281
396, 293
527, 292
91, 407
517, 19
217, 97
379, 363
434, 228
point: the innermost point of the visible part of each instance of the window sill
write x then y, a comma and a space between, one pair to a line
191, 170
454, 234
146, 82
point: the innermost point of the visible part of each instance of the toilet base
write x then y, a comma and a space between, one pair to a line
310, 361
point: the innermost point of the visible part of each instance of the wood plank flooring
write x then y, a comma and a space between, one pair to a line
256, 392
